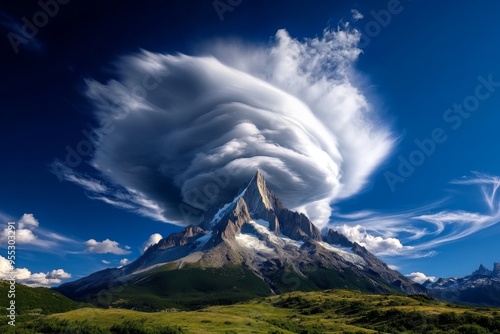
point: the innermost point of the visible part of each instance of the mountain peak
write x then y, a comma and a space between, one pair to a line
482, 271
257, 233
258, 197
496, 269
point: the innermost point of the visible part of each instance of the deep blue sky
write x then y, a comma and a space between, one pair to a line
426, 59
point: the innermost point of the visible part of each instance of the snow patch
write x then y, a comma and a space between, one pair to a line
344, 252
261, 226
292, 242
222, 211
203, 240
253, 242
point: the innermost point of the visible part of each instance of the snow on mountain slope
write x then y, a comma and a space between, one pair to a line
258, 233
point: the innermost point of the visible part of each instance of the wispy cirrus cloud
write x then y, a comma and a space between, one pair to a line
114, 195
414, 233
15, 33
489, 187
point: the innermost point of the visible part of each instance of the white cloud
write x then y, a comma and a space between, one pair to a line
29, 233
152, 240
420, 277
292, 108
23, 231
105, 246
124, 262
116, 195
24, 236
64, 172
375, 244
105, 262
356, 15
28, 220
58, 274
5, 267
26, 277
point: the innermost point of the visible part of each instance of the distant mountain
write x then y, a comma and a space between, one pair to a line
252, 246
482, 287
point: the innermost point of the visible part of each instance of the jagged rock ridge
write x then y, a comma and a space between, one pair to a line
482, 287
257, 232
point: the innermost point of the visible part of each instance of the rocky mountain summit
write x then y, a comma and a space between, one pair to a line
275, 248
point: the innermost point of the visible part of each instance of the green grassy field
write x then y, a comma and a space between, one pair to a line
331, 311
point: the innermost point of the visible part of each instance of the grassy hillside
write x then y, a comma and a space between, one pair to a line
32, 303
187, 289
36, 300
193, 287
333, 311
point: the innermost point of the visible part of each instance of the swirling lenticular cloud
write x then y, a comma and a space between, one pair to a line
291, 108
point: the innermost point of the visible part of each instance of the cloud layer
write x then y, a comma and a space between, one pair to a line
179, 133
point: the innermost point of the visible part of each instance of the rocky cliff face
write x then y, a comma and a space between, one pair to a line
256, 231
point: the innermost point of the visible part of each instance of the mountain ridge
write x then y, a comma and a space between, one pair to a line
482, 287
257, 233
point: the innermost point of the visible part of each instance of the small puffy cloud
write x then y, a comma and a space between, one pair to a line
58, 274
24, 236
28, 232
152, 240
106, 262
124, 262
26, 277
420, 277
28, 221
356, 15
375, 244
105, 246
5, 267
24, 229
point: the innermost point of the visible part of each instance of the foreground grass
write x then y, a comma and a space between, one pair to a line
332, 311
